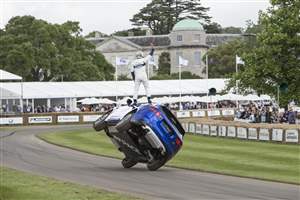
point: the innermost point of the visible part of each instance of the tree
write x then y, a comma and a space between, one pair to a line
164, 65
161, 15
95, 34
40, 51
213, 27
221, 59
135, 31
232, 30
252, 28
275, 60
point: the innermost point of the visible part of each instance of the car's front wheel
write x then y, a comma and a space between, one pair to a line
100, 123
127, 163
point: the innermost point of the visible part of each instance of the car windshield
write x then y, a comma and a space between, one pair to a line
173, 119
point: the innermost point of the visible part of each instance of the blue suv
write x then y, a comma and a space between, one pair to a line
148, 134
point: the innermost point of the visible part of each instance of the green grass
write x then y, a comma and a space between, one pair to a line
270, 161
16, 185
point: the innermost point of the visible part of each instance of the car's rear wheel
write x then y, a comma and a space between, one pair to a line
127, 163
100, 123
156, 164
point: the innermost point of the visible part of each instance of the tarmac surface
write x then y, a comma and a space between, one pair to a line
22, 150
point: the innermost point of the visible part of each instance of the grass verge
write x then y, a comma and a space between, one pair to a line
16, 185
269, 161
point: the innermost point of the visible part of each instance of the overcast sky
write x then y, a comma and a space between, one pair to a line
108, 16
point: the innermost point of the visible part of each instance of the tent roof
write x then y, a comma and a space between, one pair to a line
7, 76
40, 90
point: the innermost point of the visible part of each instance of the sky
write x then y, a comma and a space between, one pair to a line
108, 16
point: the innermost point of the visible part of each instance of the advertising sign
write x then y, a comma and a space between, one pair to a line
199, 113
205, 129
227, 112
213, 130
40, 120
192, 128
198, 129
90, 118
222, 131
264, 134
183, 114
11, 120
291, 135
68, 118
211, 113
231, 131
252, 133
242, 132
277, 134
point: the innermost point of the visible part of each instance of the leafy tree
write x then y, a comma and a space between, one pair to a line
275, 60
252, 28
221, 59
40, 51
135, 31
232, 30
213, 27
161, 15
94, 34
164, 65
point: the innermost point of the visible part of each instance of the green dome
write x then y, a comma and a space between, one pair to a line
188, 24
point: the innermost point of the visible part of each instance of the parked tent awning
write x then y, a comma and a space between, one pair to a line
7, 76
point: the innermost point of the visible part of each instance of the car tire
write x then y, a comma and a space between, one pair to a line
155, 165
125, 123
127, 163
100, 123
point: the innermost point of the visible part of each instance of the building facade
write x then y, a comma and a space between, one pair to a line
187, 39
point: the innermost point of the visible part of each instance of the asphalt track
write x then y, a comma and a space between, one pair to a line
23, 151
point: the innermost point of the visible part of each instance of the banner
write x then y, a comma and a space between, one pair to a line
199, 129
40, 120
11, 120
291, 135
68, 118
183, 114
231, 131
264, 134
242, 132
222, 131
205, 129
200, 113
211, 113
227, 112
277, 134
252, 133
213, 130
90, 118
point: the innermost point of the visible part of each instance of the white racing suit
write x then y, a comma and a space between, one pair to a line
138, 71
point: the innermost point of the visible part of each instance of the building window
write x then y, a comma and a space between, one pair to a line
179, 37
177, 57
197, 57
197, 38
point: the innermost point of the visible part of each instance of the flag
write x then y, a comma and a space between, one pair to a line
151, 61
238, 60
183, 62
121, 61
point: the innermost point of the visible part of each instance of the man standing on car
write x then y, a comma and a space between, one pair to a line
139, 75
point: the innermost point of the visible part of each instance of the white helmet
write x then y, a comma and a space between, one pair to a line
139, 54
